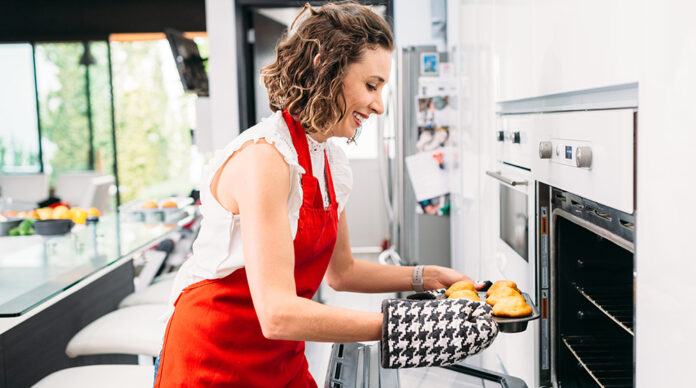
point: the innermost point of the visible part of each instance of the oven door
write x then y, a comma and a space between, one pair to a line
513, 210
356, 365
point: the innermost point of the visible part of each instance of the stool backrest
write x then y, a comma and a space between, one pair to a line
24, 187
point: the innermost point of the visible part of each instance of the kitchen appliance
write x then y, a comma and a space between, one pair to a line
415, 238
513, 237
586, 232
356, 365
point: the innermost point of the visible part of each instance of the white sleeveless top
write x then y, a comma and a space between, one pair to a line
217, 251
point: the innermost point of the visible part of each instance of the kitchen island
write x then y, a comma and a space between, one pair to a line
52, 287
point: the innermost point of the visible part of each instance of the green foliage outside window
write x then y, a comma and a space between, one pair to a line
62, 108
153, 116
153, 121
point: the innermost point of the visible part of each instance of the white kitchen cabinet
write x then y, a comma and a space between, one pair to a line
543, 47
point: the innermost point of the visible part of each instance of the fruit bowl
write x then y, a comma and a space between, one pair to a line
53, 227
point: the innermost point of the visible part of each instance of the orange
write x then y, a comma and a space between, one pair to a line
44, 213
93, 212
61, 212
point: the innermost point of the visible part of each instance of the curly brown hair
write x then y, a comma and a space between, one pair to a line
340, 33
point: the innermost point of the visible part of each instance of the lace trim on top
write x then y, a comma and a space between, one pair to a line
316, 154
315, 146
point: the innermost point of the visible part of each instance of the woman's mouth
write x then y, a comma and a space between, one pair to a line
359, 118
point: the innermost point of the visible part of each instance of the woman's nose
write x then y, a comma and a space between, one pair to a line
377, 106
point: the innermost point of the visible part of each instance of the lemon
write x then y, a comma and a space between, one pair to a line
79, 216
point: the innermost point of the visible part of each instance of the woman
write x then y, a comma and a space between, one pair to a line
274, 222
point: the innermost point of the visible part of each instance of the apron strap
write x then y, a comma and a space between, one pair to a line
299, 140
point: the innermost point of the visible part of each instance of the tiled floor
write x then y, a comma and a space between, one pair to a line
318, 352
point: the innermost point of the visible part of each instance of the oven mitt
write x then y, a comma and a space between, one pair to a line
434, 332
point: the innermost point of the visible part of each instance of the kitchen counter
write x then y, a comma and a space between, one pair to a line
51, 288
35, 268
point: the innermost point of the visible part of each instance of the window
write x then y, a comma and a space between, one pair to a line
19, 139
154, 118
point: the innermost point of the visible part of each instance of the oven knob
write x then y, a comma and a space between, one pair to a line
516, 137
545, 149
583, 156
501, 136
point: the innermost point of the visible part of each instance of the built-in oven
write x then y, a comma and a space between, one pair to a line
512, 208
584, 174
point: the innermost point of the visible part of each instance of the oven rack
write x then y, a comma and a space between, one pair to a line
606, 360
615, 303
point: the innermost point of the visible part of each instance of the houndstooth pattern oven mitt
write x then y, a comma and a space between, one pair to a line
434, 332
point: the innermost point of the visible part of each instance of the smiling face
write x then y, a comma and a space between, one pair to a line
362, 89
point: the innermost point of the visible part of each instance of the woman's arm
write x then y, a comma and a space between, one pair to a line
257, 181
348, 274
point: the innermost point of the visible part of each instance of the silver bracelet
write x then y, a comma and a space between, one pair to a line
417, 279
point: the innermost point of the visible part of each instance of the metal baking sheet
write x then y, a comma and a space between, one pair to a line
505, 324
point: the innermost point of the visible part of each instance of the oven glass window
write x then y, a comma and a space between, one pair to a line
513, 220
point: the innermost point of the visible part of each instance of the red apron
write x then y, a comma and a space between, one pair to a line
214, 339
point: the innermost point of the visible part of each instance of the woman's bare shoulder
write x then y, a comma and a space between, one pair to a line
256, 170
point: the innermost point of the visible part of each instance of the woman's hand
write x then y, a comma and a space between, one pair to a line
436, 277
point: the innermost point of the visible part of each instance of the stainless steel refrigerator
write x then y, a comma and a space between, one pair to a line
415, 238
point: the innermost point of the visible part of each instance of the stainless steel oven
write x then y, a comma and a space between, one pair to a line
586, 224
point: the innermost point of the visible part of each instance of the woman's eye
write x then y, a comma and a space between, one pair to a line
371, 87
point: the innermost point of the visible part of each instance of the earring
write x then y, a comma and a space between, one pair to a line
355, 136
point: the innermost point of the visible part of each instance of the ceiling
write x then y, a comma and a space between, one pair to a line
61, 20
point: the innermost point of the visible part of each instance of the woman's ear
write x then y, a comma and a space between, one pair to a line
317, 60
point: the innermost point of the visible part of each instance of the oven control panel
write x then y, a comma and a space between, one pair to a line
574, 153
587, 153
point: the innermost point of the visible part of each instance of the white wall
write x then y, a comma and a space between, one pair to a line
666, 259
222, 66
412, 24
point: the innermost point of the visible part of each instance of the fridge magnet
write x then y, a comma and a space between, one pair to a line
435, 117
428, 64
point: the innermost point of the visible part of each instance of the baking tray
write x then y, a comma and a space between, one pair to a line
515, 325
505, 324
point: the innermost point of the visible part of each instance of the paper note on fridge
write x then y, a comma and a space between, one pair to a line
428, 178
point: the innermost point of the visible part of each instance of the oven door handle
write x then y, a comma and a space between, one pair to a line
497, 175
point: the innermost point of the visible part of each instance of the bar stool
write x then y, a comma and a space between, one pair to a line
134, 330
155, 293
103, 376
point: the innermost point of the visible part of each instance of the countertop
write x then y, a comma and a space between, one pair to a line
34, 268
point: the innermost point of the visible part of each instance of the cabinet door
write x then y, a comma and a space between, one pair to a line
552, 46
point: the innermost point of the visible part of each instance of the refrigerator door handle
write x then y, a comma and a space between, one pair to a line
497, 175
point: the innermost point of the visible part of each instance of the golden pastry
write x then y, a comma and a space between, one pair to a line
501, 284
501, 293
459, 286
512, 306
149, 205
169, 204
465, 294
